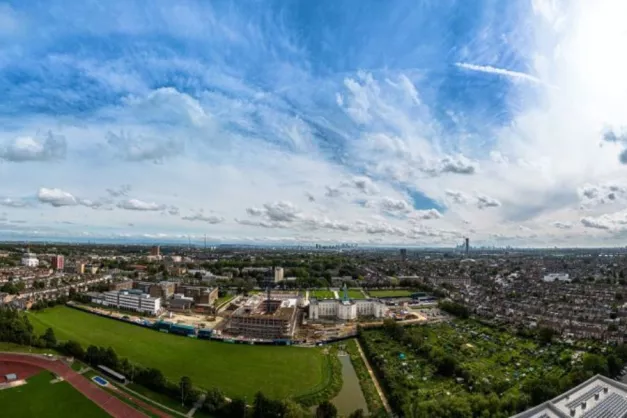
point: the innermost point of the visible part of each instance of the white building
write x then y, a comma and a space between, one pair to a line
345, 310
559, 277
133, 300
278, 274
30, 260
598, 396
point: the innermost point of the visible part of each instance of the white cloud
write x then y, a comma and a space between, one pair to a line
140, 148
56, 197
166, 105
363, 185
210, 219
562, 225
457, 197
457, 165
120, 191
390, 205
140, 205
613, 222
487, 202
26, 148
516, 75
425, 214
332, 192
13, 203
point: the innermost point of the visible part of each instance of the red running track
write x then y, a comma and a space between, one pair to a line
115, 407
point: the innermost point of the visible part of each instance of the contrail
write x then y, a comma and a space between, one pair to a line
499, 71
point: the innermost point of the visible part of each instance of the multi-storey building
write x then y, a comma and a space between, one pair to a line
265, 319
163, 290
58, 262
133, 300
30, 260
278, 274
345, 310
123, 285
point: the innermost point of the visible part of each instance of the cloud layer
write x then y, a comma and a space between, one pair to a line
272, 122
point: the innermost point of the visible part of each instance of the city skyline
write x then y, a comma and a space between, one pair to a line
406, 123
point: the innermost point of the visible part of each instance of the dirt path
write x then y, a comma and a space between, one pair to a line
386, 405
112, 405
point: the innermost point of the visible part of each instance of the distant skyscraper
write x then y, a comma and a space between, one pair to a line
58, 262
466, 246
156, 251
403, 254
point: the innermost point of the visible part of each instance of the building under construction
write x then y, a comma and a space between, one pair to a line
264, 318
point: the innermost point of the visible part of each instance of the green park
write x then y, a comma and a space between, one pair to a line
237, 369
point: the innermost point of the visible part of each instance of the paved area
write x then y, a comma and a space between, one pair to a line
112, 405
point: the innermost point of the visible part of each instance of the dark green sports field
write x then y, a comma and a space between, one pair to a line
39, 398
237, 369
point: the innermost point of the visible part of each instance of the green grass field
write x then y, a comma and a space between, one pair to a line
353, 294
390, 293
237, 369
321, 294
39, 398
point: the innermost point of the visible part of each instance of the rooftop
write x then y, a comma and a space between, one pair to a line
597, 397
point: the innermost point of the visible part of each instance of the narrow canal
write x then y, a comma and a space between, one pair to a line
350, 397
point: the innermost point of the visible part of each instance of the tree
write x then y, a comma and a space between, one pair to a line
446, 365
185, 384
265, 407
614, 365
545, 335
214, 401
621, 351
595, 363
326, 410
110, 357
235, 409
50, 338
293, 409
93, 355
357, 414
541, 390
73, 349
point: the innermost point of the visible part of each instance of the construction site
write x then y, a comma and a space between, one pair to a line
264, 317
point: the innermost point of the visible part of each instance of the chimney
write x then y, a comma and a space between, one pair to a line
583, 405
573, 411
596, 396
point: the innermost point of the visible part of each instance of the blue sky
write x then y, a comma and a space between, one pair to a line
405, 122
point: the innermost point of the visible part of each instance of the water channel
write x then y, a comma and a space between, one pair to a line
350, 397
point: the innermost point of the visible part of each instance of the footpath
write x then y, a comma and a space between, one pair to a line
377, 386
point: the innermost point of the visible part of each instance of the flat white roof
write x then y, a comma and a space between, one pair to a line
599, 396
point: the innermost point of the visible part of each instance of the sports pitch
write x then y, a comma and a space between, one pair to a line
321, 294
237, 369
39, 398
390, 293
